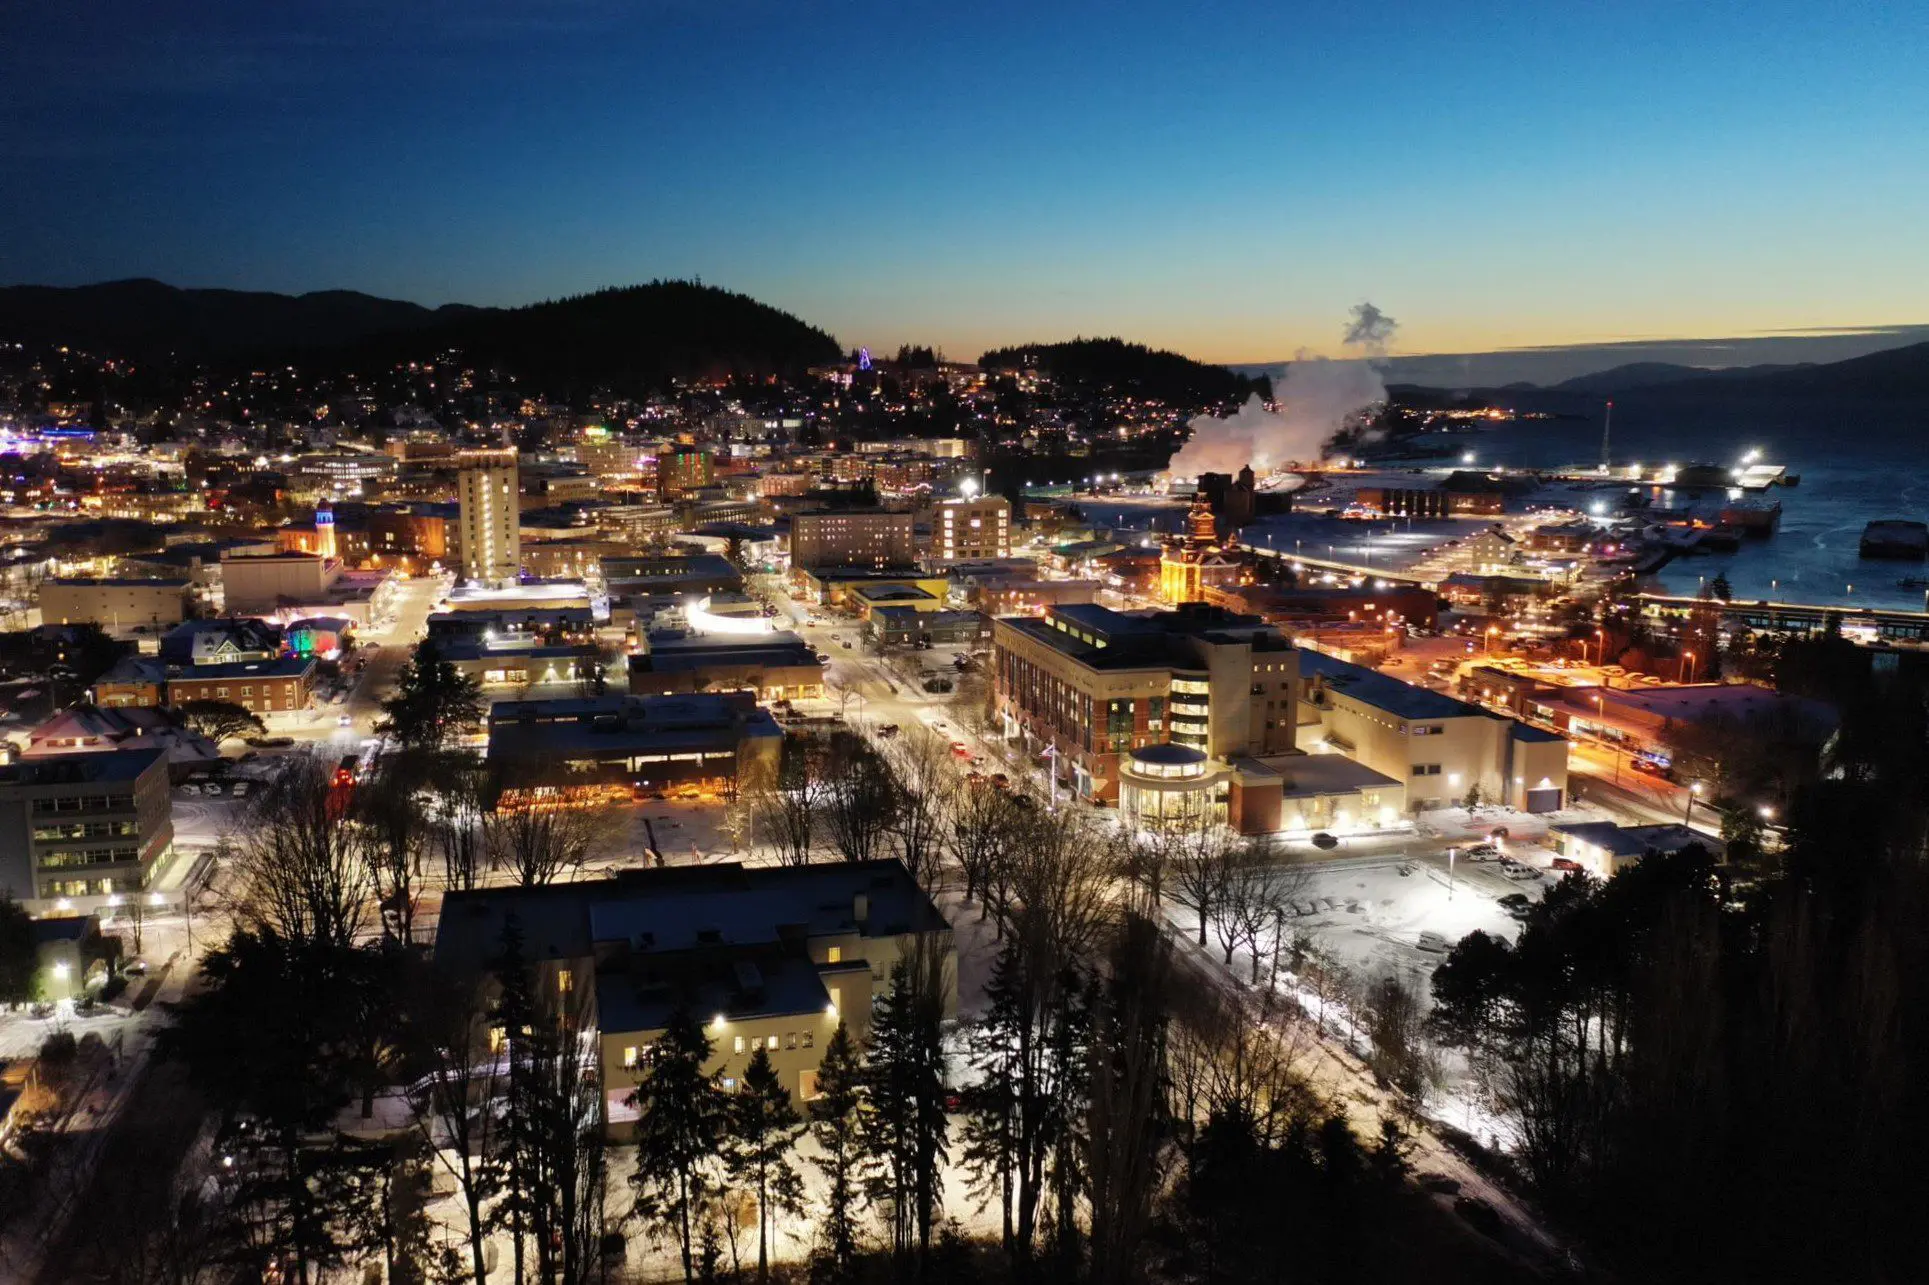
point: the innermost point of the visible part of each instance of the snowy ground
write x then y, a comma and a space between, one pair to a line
1369, 912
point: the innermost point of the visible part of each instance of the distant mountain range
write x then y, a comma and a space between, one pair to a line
1633, 360
621, 336
1896, 373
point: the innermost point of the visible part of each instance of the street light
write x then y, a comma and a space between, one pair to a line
1687, 811
1600, 651
1687, 665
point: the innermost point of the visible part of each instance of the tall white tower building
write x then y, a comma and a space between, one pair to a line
491, 521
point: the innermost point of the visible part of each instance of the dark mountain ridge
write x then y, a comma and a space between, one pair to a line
1120, 366
623, 336
144, 318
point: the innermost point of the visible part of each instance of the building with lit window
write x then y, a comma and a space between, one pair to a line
971, 530
491, 535
612, 746
771, 958
80, 833
1192, 561
1441, 748
1091, 685
851, 538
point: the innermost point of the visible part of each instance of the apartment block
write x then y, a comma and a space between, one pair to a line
851, 538
80, 832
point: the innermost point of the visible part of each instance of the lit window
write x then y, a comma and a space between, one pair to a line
629, 1055
740, 1044
835, 955
771, 1044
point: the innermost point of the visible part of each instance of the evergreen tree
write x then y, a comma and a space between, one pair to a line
907, 1129
762, 1128
433, 704
836, 1119
678, 1128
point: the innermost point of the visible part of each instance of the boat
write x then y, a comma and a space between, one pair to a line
1895, 538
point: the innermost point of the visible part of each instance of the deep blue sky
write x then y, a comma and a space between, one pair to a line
1223, 178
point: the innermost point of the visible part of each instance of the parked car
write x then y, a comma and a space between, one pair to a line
240, 790
1517, 904
1325, 842
1566, 864
1434, 943
888, 730
1482, 852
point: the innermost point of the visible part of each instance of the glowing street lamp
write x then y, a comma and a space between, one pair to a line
1688, 809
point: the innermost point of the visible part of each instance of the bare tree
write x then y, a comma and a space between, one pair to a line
453, 1103
543, 845
787, 813
1061, 869
926, 789
302, 873
1197, 865
979, 830
859, 799
394, 832
463, 795
1249, 904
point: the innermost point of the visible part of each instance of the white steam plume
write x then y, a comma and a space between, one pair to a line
1316, 399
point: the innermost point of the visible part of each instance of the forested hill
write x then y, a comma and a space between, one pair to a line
1117, 366
624, 336
632, 336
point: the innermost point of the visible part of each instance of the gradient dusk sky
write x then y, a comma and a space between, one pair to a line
1226, 179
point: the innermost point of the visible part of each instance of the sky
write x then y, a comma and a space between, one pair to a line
1226, 179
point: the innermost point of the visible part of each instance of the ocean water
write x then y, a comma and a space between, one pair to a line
1857, 463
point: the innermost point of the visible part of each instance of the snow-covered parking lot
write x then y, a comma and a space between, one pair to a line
1385, 913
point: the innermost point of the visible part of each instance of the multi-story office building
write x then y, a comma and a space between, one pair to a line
1177, 715
80, 832
1095, 684
683, 469
971, 530
770, 958
851, 538
1442, 748
491, 534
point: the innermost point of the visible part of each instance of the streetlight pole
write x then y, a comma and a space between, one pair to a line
1450, 856
1688, 808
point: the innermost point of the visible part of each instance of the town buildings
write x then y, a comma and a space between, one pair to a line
83, 831
1443, 750
612, 745
1194, 560
971, 529
876, 538
774, 666
115, 605
770, 958
487, 494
